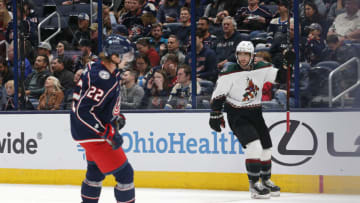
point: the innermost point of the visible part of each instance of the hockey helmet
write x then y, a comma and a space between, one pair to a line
119, 45
247, 47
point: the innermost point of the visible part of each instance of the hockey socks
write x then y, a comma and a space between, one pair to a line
125, 193
90, 191
265, 172
253, 169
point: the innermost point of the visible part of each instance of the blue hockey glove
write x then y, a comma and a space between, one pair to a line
112, 136
216, 121
119, 121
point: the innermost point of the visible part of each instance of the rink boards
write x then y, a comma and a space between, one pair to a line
321, 154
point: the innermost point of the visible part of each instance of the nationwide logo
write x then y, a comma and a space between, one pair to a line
19, 145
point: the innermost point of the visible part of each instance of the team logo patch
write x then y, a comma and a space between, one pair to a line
104, 75
251, 91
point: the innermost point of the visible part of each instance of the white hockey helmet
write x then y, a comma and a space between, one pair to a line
247, 47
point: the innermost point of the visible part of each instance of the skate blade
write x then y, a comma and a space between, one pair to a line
257, 196
275, 194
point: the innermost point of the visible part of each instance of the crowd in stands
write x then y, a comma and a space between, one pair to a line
159, 77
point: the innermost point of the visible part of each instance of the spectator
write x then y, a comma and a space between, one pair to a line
226, 44
180, 95
156, 91
279, 25
61, 47
314, 45
44, 48
170, 66
86, 55
53, 96
173, 48
5, 18
126, 8
148, 18
199, 8
94, 33
216, 23
337, 7
132, 19
6, 74
347, 25
209, 39
157, 40
216, 6
338, 51
183, 31
253, 17
83, 31
168, 11
65, 76
131, 93
143, 46
320, 5
142, 66
34, 83
312, 16
9, 104
28, 68
205, 60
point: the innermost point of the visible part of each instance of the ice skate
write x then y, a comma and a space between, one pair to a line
258, 191
274, 189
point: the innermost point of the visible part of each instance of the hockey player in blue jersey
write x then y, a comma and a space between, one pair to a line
96, 120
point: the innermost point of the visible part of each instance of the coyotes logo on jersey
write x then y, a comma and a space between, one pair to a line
250, 91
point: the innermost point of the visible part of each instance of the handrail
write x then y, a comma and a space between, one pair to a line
46, 19
340, 68
6, 49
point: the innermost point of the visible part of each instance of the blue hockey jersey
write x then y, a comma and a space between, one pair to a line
96, 101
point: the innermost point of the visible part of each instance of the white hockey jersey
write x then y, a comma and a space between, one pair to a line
241, 88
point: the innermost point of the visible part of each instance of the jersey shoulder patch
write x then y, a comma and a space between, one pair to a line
103, 74
262, 64
232, 68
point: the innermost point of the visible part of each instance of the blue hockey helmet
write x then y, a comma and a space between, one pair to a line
119, 45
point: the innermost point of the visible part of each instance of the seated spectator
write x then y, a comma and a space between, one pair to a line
86, 55
53, 96
132, 19
216, 6
142, 66
28, 68
6, 74
170, 66
199, 8
143, 46
61, 47
83, 31
5, 18
314, 45
336, 8
183, 31
9, 104
122, 12
156, 91
312, 16
226, 43
216, 23
65, 76
347, 25
34, 83
279, 25
157, 40
253, 17
320, 5
180, 95
168, 11
94, 33
148, 18
209, 39
338, 51
44, 48
205, 60
131, 93
173, 48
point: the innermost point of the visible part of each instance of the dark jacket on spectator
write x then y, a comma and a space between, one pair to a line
225, 48
205, 64
244, 12
66, 78
35, 83
165, 10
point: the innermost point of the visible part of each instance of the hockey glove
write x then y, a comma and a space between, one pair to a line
119, 121
112, 136
216, 121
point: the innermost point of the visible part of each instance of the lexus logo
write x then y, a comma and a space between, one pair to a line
296, 127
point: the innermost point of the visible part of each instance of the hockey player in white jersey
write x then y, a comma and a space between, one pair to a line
238, 91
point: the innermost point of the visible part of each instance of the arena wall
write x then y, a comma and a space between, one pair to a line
178, 150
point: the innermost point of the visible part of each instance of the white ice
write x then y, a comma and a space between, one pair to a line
14, 193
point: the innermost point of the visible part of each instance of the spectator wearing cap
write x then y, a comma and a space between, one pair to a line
253, 17
83, 31
173, 49
86, 55
315, 44
143, 46
169, 11
44, 48
279, 26
347, 25
157, 40
148, 18
312, 15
